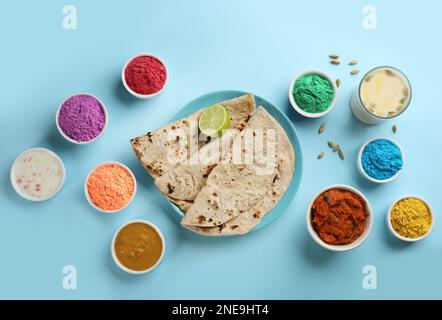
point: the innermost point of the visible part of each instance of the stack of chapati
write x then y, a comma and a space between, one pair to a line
225, 185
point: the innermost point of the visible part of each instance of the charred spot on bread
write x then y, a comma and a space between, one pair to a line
215, 205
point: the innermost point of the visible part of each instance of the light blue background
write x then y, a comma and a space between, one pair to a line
212, 45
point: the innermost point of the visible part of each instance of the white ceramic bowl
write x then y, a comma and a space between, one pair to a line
307, 114
25, 196
397, 235
361, 168
346, 247
86, 192
139, 95
114, 255
73, 140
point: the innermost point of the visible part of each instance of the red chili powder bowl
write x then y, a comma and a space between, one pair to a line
144, 76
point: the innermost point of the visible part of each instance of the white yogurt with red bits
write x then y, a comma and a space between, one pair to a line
37, 174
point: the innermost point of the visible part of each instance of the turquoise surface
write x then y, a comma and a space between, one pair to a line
215, 45
218, 96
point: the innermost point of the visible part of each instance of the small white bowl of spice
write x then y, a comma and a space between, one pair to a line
313, 93
144, 76
410, 218
81, 118
110, 187
339, 218
380, 160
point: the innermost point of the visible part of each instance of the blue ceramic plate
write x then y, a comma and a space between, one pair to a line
218, 96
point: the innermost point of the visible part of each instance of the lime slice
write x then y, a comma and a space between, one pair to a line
214, 120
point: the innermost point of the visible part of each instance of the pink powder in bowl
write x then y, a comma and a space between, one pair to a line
82, 118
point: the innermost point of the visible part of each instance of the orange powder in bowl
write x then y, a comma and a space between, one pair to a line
110, 186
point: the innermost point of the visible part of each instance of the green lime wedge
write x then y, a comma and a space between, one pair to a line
214, 120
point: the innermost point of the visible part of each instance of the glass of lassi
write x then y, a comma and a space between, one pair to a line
383, 93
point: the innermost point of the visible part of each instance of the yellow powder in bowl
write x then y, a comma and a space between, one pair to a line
110, 187
411, 218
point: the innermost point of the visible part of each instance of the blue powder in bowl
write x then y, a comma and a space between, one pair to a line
381, 159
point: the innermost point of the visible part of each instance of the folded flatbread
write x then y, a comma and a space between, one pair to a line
152, 149
176, 141
235, 198
185, 180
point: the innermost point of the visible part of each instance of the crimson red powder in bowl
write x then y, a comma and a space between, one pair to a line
145, 75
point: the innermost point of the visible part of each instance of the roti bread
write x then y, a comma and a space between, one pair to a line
185, 180
246, 221
153, 149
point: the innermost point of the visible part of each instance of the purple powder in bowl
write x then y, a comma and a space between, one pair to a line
82, 118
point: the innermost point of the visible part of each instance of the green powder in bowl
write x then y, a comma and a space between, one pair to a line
313, 93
